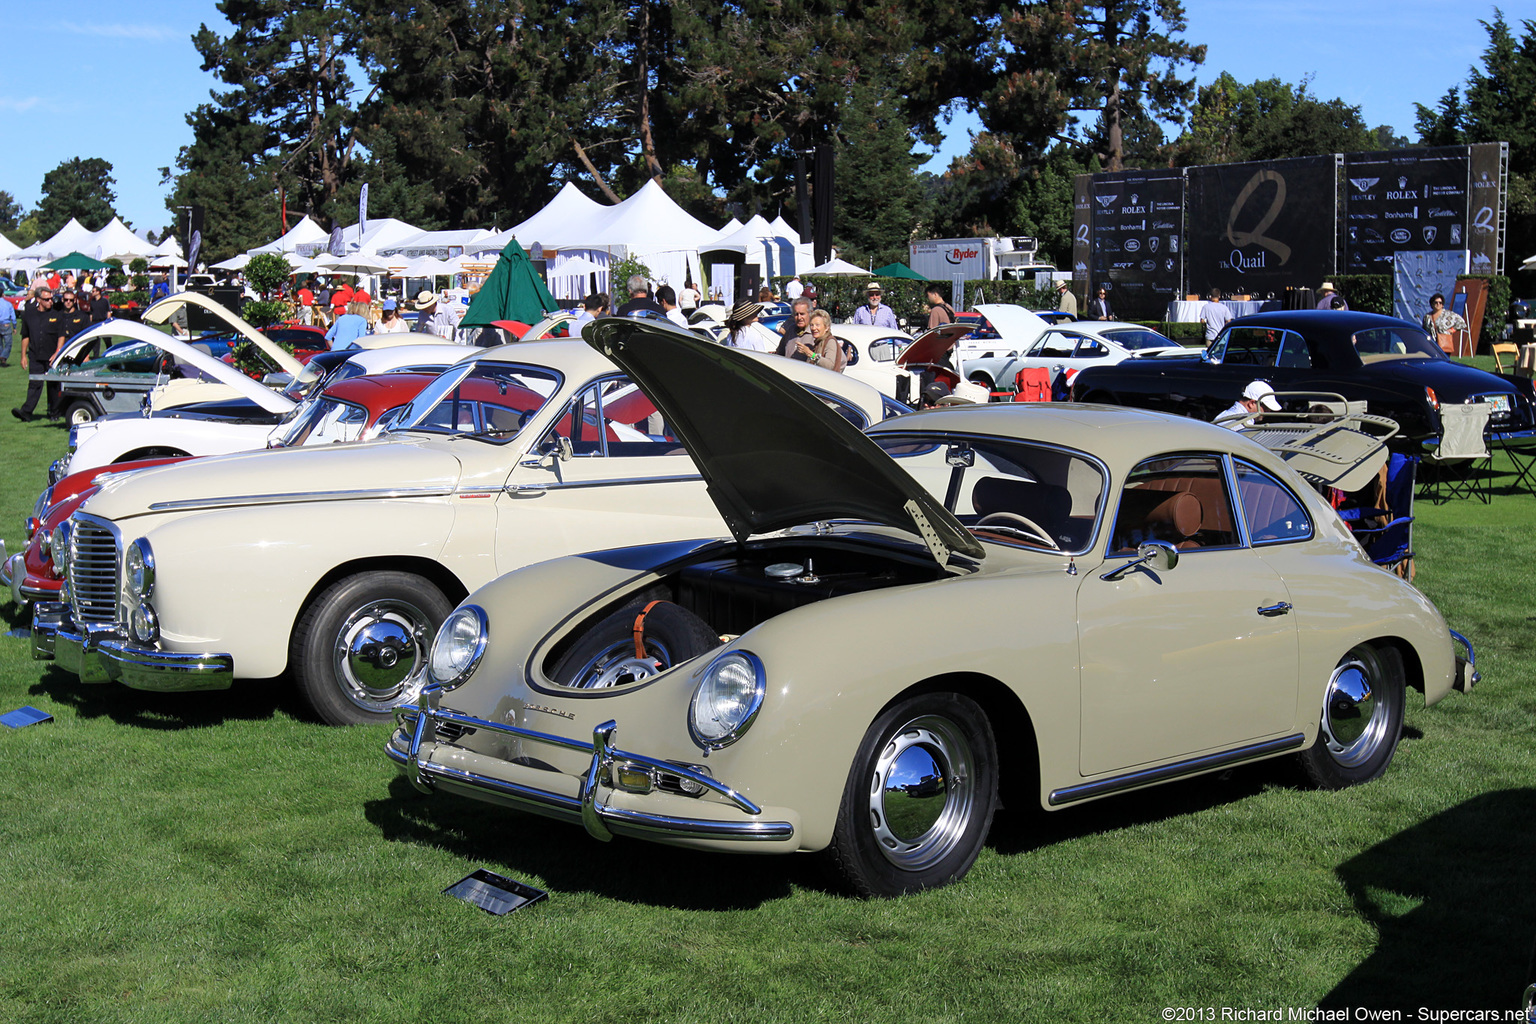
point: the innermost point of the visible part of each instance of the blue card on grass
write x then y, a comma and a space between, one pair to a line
24, 716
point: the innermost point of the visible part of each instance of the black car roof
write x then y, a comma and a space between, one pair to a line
1343, 322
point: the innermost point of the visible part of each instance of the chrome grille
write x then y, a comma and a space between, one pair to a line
93, 573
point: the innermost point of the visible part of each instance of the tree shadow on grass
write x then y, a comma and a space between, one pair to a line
565, 858
247, 700
1453, 900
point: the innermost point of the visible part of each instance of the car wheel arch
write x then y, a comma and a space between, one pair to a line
433, 572
1013, 726
157, 451
1413, 666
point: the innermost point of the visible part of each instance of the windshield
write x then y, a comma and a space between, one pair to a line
482, 397
1008, 492
321, 421
1138, 338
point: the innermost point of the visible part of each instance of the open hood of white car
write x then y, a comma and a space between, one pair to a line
774, 456
163, 310
184, 353
1018, 326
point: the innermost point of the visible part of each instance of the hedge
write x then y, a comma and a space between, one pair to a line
841, 296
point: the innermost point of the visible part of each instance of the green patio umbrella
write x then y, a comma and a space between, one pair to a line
75, 261
898, 270
514, 291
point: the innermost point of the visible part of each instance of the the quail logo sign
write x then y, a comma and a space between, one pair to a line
1257, 235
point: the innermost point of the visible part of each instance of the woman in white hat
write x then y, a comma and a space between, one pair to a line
742, 316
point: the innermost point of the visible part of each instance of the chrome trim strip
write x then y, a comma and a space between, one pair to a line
1229, 473
1173, 771
602, 760
570, 485
186, 504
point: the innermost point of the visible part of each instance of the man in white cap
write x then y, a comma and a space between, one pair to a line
1326, 294
1257, 395
430, 317
875, 314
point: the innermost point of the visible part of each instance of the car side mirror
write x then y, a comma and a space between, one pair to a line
549, 452
1158, 555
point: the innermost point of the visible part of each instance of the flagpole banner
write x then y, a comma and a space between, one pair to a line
1259, 228
1082, 225
362, 213
1405, 200
1488, 174
1136, 237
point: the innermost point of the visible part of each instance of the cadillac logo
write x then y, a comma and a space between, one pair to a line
1429, 234
1401, 236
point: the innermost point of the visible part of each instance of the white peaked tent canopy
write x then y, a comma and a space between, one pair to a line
430, 243
169, 247
731, 227
116, 240
567, 219
839, 267
784, 229
8, 247
383, 233
72, 237
650, 227
764, 245
306, 232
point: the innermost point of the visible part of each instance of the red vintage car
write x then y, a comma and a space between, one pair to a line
347, 410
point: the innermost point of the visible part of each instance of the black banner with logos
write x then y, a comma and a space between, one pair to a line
1408, 200
1259, 228
1485, 166
1136, 228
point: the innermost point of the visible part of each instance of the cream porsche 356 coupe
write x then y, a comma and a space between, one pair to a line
337, 563
1143, 598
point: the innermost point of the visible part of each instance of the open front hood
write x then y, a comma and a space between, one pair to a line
931, 346
772, 454
222, 372
282, 476
162, 311
1017, 326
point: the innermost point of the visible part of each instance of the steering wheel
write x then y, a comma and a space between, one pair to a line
1021, 526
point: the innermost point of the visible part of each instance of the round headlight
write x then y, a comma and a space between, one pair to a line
458, 646
44, 543
139, 568
142, 623
59, 544
727, 700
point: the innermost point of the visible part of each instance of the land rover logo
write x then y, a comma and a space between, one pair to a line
1132, 245
1400, 236
1429, 234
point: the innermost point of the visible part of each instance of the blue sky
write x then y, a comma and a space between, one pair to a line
116, 79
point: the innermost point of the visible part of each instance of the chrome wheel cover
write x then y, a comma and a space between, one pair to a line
380, 654
616, 665
1356, 709
922, 793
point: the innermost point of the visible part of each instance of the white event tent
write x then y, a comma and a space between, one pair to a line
306, 238
763, 244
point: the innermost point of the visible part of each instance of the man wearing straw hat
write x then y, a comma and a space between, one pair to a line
430, 319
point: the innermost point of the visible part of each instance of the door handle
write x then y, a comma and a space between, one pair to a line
1276, 609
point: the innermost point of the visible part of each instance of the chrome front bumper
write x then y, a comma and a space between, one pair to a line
411, 748
13, 569
106, 656
1467, 675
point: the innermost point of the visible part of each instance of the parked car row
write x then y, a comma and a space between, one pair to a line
668, 589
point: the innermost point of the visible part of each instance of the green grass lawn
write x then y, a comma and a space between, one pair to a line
220, 857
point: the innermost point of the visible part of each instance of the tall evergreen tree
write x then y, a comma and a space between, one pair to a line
10, 212
1268, 120
77, 188
879, 198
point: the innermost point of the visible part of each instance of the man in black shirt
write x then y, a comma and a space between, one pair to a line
42, 335
100, 306
639, 297
76, 317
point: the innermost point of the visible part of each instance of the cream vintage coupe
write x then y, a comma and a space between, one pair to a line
1071, 601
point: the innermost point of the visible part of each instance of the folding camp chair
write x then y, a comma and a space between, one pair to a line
1034, 384
1381, 516
1464, 464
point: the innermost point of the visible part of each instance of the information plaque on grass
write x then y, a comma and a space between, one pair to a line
494, 893
24, 716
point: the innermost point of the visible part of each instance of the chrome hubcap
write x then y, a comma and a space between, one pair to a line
1354, 716
380, 654
922, 793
